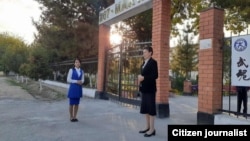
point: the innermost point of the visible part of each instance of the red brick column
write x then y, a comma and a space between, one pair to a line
104, 44
210, 64
160, 43
187, 87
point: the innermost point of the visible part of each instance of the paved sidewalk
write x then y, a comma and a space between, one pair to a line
28, 119
33, 120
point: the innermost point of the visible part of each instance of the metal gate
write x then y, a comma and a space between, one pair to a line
123, 65
229, 92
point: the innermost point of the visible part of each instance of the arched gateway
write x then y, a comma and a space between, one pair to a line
211, 34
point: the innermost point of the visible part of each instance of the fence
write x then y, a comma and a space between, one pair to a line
89, 66
122, 68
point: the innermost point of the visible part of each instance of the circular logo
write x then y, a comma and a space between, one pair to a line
240, 44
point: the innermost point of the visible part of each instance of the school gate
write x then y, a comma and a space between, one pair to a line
123, 64
210, 53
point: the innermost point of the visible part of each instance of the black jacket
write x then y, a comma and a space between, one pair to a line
150, 73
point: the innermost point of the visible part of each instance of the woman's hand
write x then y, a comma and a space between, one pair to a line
79, 82
140, 78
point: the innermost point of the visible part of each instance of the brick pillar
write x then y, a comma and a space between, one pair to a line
160, 43
187, 87
104, 44
210, 64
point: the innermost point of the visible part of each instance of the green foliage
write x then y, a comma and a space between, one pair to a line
141, 25
237, 17
69, 28
183, 10
24, 69
14, 52
57, 40
177, 82
184, 57
38, 67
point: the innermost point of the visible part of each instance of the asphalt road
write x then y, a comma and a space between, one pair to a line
24, 118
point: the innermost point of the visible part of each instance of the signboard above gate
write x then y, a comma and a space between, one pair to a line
123, 9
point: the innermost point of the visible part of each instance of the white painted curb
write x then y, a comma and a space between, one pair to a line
86, 91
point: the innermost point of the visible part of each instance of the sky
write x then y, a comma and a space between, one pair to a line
16, 18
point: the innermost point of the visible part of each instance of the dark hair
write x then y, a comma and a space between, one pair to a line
149, 49
77, 59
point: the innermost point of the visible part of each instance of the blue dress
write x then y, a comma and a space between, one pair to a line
75, 90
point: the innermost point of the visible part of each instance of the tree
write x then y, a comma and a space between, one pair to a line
14, 52
38, 66
69, 28
140, 26
237, 14
56, 41
237, 17
184, 58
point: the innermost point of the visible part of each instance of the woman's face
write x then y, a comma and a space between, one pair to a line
146, 54
77, 63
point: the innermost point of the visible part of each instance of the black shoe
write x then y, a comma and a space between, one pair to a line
148, 135
245, 114
74, 120
143, 131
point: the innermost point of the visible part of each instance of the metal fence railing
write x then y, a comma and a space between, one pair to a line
122, 68
60, 70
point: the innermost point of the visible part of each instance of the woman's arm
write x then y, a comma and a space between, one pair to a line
82, 76
69, 80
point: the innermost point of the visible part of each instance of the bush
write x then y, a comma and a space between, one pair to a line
177, 83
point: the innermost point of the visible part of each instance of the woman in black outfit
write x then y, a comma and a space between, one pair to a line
147, 87
242, 98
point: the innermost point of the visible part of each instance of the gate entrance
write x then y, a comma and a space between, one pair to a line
161, 25
210, 58
123, 65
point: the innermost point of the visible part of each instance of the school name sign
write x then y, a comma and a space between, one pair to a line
123, 9
240, 64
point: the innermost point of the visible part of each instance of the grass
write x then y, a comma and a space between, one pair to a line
33, 88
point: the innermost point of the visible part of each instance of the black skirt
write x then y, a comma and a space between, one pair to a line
148, 105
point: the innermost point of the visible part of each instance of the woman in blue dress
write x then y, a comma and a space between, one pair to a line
76, 78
